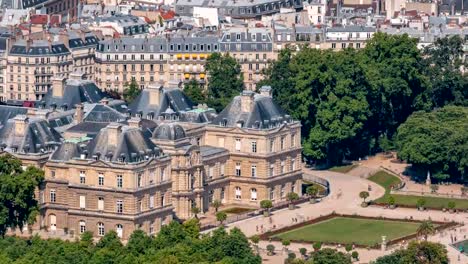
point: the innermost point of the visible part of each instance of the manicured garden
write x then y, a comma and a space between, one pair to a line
350, 230
387, 180
321, 189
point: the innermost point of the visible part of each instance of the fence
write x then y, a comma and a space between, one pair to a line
430, 194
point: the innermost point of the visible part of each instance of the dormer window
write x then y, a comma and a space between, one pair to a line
240, 124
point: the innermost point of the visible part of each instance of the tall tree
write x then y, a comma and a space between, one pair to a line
393, 68
18, 205
131, 91
195, 91
443, 61
417, 252
224, 80
436, 142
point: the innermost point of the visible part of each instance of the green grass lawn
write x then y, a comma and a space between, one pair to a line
343, 169
237, 210
306, 184
345, 230
386, 180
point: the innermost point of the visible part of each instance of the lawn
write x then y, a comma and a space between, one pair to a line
346, 230
343, 169
386, 180
306, 184
237, 210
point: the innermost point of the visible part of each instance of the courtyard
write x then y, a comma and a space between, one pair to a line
351, 230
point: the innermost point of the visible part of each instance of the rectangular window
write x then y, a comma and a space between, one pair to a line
140, 180
238, 193
101, 179
119, 181
100, 204
238, 169
119, 206
151, 201
53, 197
163, 174
82, 202
151, 176
282, 143
222, 170
272, 170
272, 145
163, 199
82, 177
139, 206
254, 146
238, 144
293, 140
272, 194
282, 167
210, 172
254, 171
293, 164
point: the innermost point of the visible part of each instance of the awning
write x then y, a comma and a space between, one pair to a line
179, 56
187, 75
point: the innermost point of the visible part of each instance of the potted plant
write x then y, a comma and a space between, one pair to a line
317, 245
348, 248
464, 190
266, 205
391, 202
195, 211
292, 196
221, 217
451, 207
285, 243
355, 255
216, 204
312, 191
270, 249
364, 195
303, 252
291, 257
255, 239
434, 188
420, 204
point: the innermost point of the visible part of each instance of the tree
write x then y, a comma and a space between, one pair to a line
391, 200
221, 217
317, 246
17, 202
270, 249
255, 240
425, 229
417, 252
195, 211
291, 197
192, 227
434, 188
364, 195
216, 204
267, 205
138, 242
303, 252
224, 80
355, 255
312, 191
463, 190
443, 61
348, 248
285, 243
110, 241
131, 91
451, 205
330, 256
195, 91
436, 141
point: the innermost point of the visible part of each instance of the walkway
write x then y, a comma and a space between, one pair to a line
343, 198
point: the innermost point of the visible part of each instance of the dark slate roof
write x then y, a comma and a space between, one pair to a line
172, 100
39, 136
38, 48
91, 129
66, 151
169, 131
60, 121
7, 112
132, 145
100, 113
265, 113
75, 92
207, 151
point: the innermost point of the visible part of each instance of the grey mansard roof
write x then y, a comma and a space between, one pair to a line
75, 92
169, 131
38, 48
100, 113
265, 113
172, 100
132, 145
38, 137
67, 151
8, 112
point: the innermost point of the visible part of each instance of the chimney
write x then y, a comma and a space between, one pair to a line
265, 91
79, 113
247, 101
58, 86
134, 122
154, 94
77, 75
113, 133
21, 123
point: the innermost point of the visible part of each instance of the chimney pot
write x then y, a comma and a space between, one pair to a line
79, 113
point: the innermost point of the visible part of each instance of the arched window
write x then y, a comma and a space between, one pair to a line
101, 230
253, 194
238, 193
82, 226
119, 230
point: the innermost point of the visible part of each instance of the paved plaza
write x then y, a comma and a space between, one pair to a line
344, 199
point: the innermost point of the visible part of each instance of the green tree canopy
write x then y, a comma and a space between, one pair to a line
224, 80
195, 91
18, 205
436, 142
131, 91
417, 252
